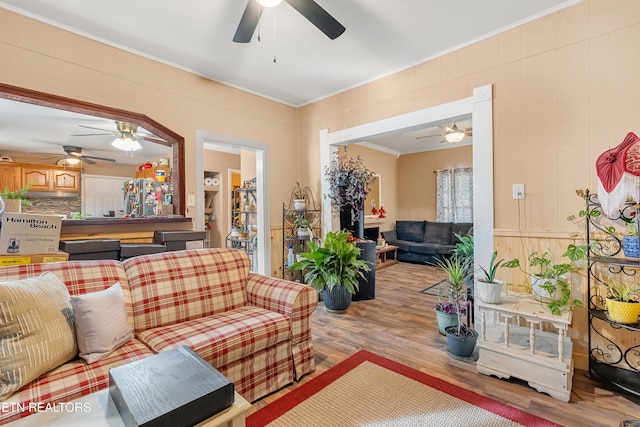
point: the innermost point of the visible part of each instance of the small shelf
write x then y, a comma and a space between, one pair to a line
212, 188
623, 378
602, 315
615, 261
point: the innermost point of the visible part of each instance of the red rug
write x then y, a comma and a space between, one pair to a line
427, 400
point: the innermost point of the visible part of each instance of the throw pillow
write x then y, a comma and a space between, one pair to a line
36, 330
101, 322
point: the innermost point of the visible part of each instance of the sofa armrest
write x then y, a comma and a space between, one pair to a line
294, 300
390, 235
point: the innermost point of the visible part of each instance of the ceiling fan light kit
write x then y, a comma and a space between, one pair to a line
72, 160
269, 3
126, 143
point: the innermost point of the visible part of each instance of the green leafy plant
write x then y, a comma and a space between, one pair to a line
298, 191
19, 194
624, 292
552, 275
349, 183
490, 272
335, 263
301, 222
457, 269
464, 248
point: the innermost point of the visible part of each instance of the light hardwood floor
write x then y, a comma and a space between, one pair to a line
400, 324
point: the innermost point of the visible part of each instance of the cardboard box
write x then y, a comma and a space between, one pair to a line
6, 260
29, 234
173, 388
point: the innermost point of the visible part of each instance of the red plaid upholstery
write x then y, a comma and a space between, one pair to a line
261, 373
70, 381
172, 287
222, 338
81, 277
254, 329
297, 302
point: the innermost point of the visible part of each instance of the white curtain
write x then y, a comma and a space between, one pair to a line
454, 195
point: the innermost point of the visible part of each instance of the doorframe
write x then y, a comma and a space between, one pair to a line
480, 106
262, 188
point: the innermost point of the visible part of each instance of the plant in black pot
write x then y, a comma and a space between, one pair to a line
333, 269
349, 183
461, 339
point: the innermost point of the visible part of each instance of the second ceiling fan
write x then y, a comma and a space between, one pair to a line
307, 8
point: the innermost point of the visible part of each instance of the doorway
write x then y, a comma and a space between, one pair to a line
480, 107
263, 222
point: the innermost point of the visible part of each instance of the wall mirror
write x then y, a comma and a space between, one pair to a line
374, 198
55, 107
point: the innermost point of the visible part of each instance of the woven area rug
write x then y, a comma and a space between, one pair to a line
369, 390
437, 288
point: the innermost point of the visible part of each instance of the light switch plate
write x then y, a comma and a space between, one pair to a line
191, 200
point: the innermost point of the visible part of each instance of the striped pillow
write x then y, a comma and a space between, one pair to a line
36, 330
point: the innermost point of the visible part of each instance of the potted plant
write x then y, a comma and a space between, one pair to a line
461, 339
333, 269
447, 312
548, 282
622, 302
299, 198
630, 243
349, 183
13, 200
489, 289
303, 226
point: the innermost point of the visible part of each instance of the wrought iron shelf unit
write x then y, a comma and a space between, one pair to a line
243, 216
290, 235
614, 348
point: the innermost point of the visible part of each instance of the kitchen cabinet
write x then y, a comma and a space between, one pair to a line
9, 176
51, 178
152, 172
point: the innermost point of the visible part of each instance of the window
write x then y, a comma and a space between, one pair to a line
454, 195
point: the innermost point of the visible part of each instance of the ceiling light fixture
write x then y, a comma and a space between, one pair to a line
126, 143
454, 135
72, 160
269, 3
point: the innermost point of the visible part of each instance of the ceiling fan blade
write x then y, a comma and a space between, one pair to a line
92, 134
318, 17
104, 159
87, 160
428, 136
91, 127
248, 22
149, 138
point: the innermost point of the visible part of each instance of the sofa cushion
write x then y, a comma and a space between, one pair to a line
446, 249
425, 248
36, 330
175, 287
437, 232
403, 245
72, 380
223, 338
460, 228
101, 322
412, 231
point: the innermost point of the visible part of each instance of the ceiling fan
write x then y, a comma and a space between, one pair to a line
307, 8
452, 134
125, 129
77, 153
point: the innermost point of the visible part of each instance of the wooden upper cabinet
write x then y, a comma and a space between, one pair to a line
9, 176
66, 180
38, 177
51, 178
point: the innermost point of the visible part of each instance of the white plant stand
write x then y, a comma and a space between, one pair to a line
521, 338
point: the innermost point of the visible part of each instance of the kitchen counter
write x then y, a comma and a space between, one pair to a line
128, 230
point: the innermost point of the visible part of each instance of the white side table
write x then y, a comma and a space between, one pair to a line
521, 338
97, 410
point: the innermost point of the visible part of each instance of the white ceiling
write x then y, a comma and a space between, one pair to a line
381, 37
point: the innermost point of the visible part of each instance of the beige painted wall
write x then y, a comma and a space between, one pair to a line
44, 58
417, 180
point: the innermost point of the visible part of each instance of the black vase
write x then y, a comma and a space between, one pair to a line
347, 221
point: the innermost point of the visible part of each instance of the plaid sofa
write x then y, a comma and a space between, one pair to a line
252, 328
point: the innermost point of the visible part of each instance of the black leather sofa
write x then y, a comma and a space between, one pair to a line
424, 241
